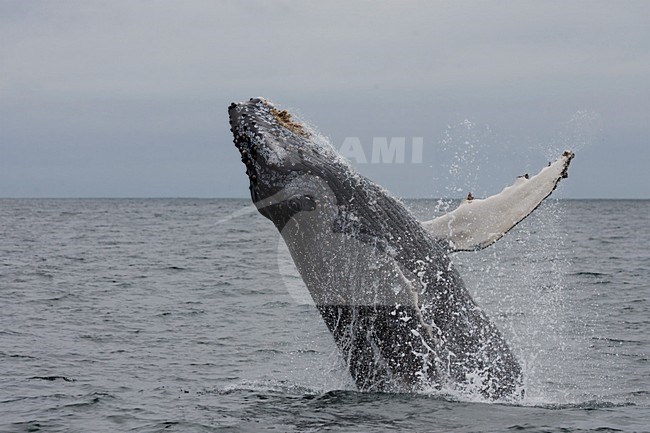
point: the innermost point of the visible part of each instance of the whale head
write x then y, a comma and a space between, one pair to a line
287, 163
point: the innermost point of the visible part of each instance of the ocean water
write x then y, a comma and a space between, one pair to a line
184, 315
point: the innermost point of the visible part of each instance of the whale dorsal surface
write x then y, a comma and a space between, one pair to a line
478, 223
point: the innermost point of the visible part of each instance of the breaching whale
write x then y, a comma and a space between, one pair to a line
383, 282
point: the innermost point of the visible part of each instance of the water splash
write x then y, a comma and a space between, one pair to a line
580, 131
527, 299
463, 149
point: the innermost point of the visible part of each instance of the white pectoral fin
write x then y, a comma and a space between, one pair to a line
478, 223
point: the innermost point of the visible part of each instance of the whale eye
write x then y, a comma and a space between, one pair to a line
307, 202
301, 203
295, 204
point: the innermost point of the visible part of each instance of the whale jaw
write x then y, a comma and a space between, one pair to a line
286, 162
261, 140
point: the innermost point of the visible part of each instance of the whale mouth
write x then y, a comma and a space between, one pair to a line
245, 118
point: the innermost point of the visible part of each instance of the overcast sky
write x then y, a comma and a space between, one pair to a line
129, 98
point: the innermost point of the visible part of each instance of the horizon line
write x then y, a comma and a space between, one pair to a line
248, 198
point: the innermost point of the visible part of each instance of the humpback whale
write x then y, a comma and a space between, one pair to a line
383, 281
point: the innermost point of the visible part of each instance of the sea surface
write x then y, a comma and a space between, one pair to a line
186, 315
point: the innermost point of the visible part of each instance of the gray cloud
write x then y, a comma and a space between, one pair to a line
129, 98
